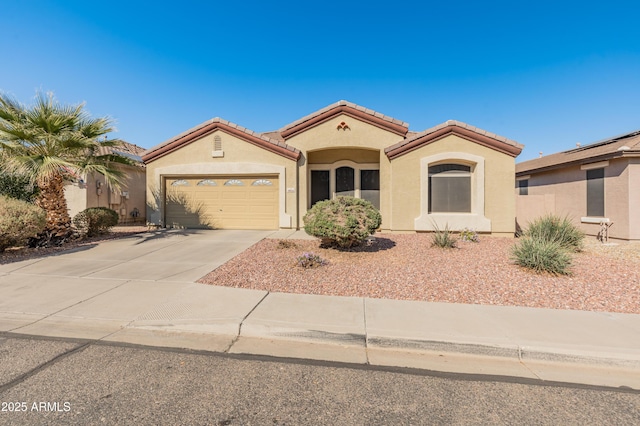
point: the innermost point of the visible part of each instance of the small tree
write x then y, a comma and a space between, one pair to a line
49, 143
344, 222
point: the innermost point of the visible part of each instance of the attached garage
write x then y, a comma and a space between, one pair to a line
222, 202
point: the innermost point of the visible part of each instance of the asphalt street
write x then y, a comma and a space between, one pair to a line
55, 381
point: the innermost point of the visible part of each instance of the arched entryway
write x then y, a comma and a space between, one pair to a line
351, 172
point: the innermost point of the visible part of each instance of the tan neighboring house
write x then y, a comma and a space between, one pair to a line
596, 185
222, 175
93, 191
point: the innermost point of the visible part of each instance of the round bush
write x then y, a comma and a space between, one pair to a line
542, 256
344, 222
95, 221
19, 221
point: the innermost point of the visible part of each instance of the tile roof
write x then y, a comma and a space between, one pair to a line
483, 137
349, 108
625, 145
275, 145
125, 149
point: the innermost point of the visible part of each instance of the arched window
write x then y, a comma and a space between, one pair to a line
449, 188
262, 182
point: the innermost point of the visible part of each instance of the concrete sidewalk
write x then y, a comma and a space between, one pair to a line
141, 290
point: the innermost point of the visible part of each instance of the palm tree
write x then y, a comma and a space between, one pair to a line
51, 143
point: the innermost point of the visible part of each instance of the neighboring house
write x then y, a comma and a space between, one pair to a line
596, 185
221, 175
129, 201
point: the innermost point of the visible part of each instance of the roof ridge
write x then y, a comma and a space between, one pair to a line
341, 103
223, 122
466, 126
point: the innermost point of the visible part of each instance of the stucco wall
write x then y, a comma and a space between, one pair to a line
568, 190
634, 198
499, 171
83, 195
239, 157
358, 135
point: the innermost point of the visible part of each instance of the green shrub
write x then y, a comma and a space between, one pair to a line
443, 238
95, 221
542, 256
344, 222
19, 221
553, 228
18, 187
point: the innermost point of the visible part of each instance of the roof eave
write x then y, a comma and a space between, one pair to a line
406, 147
210, 127
290, 131
594, 159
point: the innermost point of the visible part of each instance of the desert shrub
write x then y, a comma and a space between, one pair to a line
344, 222
469, 235
95, 221
443, 238
553, 228
310, 260
542, 256
19, 221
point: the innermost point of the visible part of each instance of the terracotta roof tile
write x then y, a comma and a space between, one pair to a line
414, 139
197, 132
626, 145
336, 105
125, 149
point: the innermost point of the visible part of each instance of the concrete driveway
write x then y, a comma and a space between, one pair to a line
172, 255
147, 279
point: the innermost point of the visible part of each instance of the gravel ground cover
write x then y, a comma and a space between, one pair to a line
405, 266
605, 277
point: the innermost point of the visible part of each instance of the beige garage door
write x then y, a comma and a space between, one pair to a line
222, 202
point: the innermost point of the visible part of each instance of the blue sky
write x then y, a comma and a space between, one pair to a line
547, 74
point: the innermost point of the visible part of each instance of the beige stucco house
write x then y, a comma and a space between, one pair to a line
129, 201
596, 185
222, 175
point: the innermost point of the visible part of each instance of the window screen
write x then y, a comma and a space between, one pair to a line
370, 186
595, 192
523, 187
345, 182
449, 188
319, 185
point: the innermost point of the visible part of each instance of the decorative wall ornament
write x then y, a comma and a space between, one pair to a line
343, 126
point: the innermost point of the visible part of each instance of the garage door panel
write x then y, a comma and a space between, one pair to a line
202, 202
